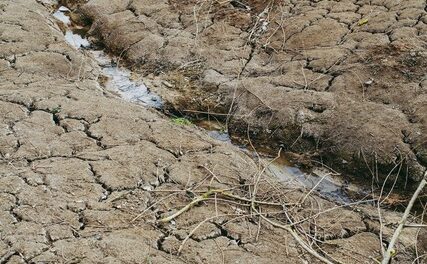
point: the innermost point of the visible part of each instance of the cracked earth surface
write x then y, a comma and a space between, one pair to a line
85, 176
344, 81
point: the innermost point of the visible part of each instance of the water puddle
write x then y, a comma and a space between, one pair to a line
328, 184
119, 78
120, 81
331, 186
215, 129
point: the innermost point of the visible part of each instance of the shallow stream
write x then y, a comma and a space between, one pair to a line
120, 81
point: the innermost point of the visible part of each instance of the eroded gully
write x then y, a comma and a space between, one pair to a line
121, 81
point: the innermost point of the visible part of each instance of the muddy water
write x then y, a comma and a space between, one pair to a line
120, 81
214, 129
328, 184
332, 186
320, 180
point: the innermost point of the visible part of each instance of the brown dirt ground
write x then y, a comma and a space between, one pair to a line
86, 177
342, 81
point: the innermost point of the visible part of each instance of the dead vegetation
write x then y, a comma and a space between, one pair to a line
267, 204
328, 73
146, 190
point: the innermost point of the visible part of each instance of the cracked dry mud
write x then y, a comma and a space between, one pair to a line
79, 165
344, 81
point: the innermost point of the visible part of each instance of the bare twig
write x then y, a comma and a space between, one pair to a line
189, 205
197, 227
314, 187
300, 241
388, 254
154, 204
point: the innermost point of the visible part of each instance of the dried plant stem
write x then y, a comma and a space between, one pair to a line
300, 241
388, 254
206, 196
187, 207
197, 227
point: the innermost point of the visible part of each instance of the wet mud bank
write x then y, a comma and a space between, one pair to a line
353, 99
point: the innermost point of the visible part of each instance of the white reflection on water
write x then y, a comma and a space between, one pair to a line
60, 14
119, 78
76, 40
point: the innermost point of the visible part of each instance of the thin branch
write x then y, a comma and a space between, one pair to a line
390, 250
